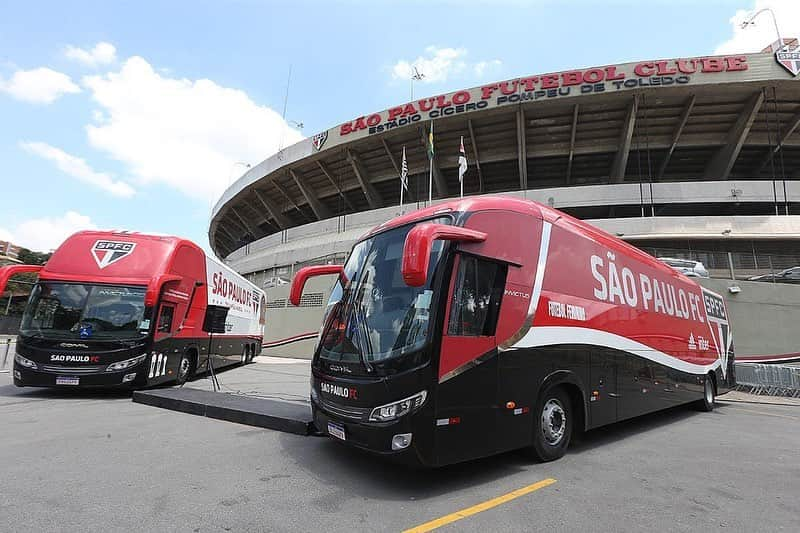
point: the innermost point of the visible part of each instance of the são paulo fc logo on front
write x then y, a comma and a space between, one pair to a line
789, 58
319, 139
109, 252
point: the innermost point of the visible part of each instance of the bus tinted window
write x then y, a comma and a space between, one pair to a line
476, 297
165, 319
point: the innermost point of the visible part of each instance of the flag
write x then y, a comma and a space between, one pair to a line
462, 162
404, 170
430, 144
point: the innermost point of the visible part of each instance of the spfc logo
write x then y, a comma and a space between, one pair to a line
319, 139
789, 59
717, 317
109, 252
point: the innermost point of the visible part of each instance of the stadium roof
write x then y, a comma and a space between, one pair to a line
708, 118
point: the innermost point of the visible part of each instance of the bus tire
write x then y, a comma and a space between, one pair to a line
253, 352
709, 396
552, 425
245, 353
186, 368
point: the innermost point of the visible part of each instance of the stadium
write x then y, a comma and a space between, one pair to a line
688, 157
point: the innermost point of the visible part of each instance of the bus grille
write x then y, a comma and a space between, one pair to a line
352, 413
71, 369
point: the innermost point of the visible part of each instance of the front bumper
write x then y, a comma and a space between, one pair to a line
373, 438
26, 377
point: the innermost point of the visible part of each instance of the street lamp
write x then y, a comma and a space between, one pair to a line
750, 21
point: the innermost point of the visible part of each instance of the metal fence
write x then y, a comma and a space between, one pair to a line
772, 380
736, 265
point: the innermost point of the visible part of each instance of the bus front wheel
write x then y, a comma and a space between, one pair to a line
186, 368
552, 425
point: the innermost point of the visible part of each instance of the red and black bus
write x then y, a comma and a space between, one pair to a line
133, 310
483, 325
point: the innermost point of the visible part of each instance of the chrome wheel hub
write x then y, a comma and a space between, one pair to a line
184, 368
554, 421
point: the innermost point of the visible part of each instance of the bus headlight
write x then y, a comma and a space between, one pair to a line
24, 361
127, 363
394, 410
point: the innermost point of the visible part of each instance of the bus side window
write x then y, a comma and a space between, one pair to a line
476, 297
165, 319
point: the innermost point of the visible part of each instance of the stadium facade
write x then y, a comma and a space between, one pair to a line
691, 156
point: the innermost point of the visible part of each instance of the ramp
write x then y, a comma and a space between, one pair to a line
260, 412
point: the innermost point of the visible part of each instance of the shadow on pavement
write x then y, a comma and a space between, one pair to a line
369, 476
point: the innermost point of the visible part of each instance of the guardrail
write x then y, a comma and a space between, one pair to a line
770, 380
6, 355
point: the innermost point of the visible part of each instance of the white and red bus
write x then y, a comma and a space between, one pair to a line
134, 310
489, 324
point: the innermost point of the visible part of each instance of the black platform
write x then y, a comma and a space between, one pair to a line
272, 414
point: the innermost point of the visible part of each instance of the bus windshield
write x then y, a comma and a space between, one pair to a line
372, 315
75, 310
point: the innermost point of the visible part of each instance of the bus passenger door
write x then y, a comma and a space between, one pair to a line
604, 394
466, 395
163, 342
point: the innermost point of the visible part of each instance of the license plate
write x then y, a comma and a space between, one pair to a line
62, 380
335, 430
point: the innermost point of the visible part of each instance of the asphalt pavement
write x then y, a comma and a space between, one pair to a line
98, 462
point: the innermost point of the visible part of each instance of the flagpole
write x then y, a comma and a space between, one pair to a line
461, 177
430, 173
401, 196
402, 183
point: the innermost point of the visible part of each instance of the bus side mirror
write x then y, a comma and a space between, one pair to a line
12, 270
155, 285
417, 248
304, 273
214, 321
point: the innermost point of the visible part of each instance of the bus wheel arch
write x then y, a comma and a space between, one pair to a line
574, 388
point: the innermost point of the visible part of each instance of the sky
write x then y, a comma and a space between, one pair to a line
137, 115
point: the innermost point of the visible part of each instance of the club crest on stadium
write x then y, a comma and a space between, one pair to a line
319, 139
109, 252
789, 58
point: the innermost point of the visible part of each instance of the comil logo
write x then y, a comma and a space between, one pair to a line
109, 252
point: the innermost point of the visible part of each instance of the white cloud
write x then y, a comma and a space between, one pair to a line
47, 233
38, 86
79, 169
436, 65
102, 54
756, 37
187, 134
482, 67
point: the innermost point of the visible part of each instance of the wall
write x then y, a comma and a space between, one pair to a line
765, 317
287, 321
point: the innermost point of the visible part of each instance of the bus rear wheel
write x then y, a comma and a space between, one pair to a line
552, 425
709, 396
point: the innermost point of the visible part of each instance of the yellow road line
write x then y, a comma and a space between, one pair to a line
475, 509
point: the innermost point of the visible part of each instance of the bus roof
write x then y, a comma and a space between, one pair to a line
123, 258
528, 207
